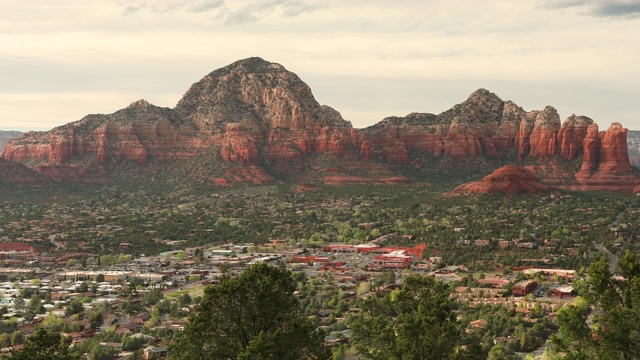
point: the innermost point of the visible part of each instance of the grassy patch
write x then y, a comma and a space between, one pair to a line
192, 291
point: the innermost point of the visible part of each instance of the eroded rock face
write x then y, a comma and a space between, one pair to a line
280, 116
506, 180
605, 163
137, 133
259, 115
482, 125
544, 135
572, 134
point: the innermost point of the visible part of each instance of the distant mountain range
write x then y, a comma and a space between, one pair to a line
5, 136
633, 141
254, 122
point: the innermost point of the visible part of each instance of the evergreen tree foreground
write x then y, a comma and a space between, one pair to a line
252, 316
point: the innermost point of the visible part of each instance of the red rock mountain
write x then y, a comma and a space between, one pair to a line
262, 122
508, 179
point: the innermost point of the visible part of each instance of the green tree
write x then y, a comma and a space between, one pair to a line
52, 322
74, 307
415, 322
44, 345
253, 316
96, 319
499, 352
615, 333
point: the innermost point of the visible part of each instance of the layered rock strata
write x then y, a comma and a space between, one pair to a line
258, 115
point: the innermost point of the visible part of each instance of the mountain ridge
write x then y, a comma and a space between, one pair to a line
264, 123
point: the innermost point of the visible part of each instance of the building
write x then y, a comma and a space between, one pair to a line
495, 282
158, 351
482, 242
567, 274
564, 292
505, 244
110, 276
524, 287
394, 260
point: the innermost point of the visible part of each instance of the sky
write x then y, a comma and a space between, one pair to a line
61, 59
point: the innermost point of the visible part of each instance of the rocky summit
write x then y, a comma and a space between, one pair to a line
255, 122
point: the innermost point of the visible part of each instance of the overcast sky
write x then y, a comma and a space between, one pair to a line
63, 59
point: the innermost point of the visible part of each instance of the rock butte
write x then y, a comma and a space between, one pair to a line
262, 118
508, 179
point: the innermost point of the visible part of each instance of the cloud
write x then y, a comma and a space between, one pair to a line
230, 12
205, 6
561, 4
257, 11
615, 9
161, 7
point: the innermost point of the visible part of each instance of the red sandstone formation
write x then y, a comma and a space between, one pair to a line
257, 114
571, 135
506, 180
605, 163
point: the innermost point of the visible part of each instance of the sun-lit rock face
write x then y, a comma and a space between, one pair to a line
506, 180
253, 110
572, 134
256, 114
605, 162
137, 133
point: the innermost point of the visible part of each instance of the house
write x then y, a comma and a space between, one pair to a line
478, 324
482, 242
158, 351
128, 328
505, 244
140, 319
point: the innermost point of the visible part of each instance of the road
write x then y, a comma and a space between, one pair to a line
613, 259
619, 216
58, 245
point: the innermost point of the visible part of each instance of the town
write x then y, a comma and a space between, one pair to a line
122, 280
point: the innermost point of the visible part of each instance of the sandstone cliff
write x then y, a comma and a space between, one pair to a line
605, 163
263, 122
